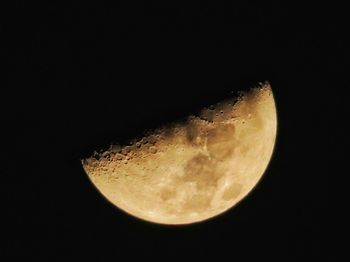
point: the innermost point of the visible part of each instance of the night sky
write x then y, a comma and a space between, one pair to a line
80, 76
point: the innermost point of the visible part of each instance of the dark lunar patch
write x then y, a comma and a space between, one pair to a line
202, 170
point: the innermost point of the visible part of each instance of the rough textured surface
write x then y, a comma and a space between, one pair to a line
191, 171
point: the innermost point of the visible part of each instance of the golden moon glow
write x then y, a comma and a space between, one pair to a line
193, 170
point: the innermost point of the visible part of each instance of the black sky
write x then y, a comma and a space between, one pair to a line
80, 76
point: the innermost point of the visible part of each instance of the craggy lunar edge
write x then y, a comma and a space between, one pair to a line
192, 170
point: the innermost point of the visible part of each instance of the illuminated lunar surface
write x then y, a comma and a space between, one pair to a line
192, 170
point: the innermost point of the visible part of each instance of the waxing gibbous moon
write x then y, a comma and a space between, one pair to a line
192, 170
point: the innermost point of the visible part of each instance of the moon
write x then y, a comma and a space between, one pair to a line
195, 169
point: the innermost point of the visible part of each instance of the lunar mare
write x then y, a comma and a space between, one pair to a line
193, 170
